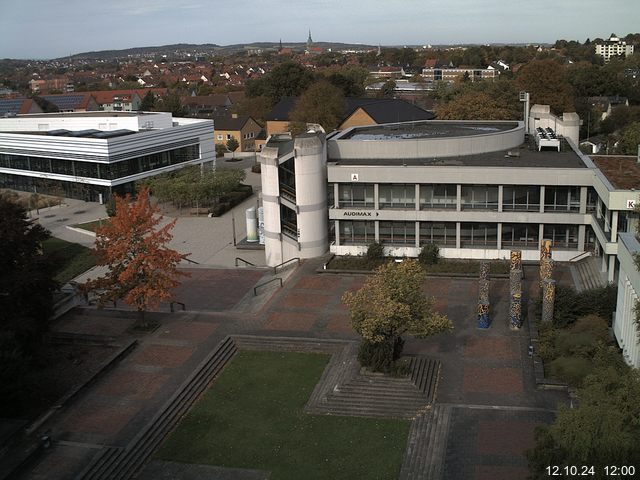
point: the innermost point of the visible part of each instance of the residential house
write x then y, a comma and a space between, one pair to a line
241, 127
606, 105
73, 102
451, 74
18, 106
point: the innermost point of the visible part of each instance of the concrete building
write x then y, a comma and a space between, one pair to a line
613, 47
90, 155
452, 75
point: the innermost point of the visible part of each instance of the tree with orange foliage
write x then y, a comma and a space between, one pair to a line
142, 270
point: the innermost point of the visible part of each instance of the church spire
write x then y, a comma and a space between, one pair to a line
309, 42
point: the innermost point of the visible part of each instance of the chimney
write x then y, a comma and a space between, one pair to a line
234, 115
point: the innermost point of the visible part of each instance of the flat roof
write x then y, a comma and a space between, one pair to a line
429, 129
100, 113
526, 155
623, 172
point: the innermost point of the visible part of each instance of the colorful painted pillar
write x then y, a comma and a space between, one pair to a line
483, 321
515, 290
548, 299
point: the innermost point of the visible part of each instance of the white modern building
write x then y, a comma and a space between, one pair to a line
477, 189
625, 326
613, 47
89, 155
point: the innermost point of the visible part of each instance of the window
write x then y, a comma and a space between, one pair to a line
398, 233
220, 136
520, 235
355, 195
357, 232
521, 198
398, 195
592, 200
442, 234
478, 235
558, 199
229, 136
564, 237
438, 196
479, 197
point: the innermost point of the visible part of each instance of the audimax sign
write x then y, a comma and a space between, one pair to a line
359, 213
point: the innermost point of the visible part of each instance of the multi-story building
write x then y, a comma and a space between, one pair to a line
477, 189
90, 155
450, 74
613, 47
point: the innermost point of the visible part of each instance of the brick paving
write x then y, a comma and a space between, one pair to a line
489, 368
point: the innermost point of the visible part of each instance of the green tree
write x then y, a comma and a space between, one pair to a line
629, 140
602, 430
26, 278
171, 103
388, 88
148, 103
474, 105
232, 144
322, 103
546, 81
390, 304
289, 79
220, 149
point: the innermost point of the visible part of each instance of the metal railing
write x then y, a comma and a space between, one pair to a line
246, 262
190, 261
578, 257
295, 259
255, 289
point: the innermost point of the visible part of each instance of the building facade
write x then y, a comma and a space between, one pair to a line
613, 47
452, 75
90, 155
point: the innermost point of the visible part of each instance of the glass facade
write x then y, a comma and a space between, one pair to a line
559, 199
521, 198
397, 195
525, 235
479, 197
357, 233
105, 171
355, 195
478, 235
398, 233
287, 179
563, 237
438, 196
441, 233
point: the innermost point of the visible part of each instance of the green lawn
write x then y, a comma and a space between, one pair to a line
252, 418
71, 259
91, 226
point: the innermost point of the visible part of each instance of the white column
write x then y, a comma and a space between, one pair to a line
500, 197
541, 201
458, 200
612, 268
614, 226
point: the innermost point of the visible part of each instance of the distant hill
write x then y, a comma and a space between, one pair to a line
206, 48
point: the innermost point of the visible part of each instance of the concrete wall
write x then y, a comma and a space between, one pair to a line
428, 147
568, 125
624, 327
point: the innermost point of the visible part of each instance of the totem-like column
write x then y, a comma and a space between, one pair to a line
515, 311
545, 249
548, 299
516, 260
546, 270
484, 321
484, 270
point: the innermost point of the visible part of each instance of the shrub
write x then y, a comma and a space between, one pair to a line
571, 369
375, 251
430, 254
381, 356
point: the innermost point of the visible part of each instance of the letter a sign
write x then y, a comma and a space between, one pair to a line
354, 177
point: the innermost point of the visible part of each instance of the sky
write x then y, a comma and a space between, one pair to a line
45, 29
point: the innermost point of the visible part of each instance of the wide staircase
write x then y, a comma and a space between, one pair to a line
587, 275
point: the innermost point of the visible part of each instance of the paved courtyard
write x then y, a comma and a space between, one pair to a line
486, 378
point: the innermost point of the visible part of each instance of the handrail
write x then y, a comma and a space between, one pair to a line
284, 263
585, 254
255, 289
245, 261
189, 260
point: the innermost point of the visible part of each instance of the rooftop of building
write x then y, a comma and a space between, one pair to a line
623, 172
431, 129
526, 156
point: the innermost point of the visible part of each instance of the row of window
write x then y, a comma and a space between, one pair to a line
480, 235
480, 197
107, 171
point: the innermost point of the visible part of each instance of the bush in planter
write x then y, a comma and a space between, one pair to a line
375, 251
430, 254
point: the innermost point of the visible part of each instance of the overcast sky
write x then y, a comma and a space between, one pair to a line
55, 28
